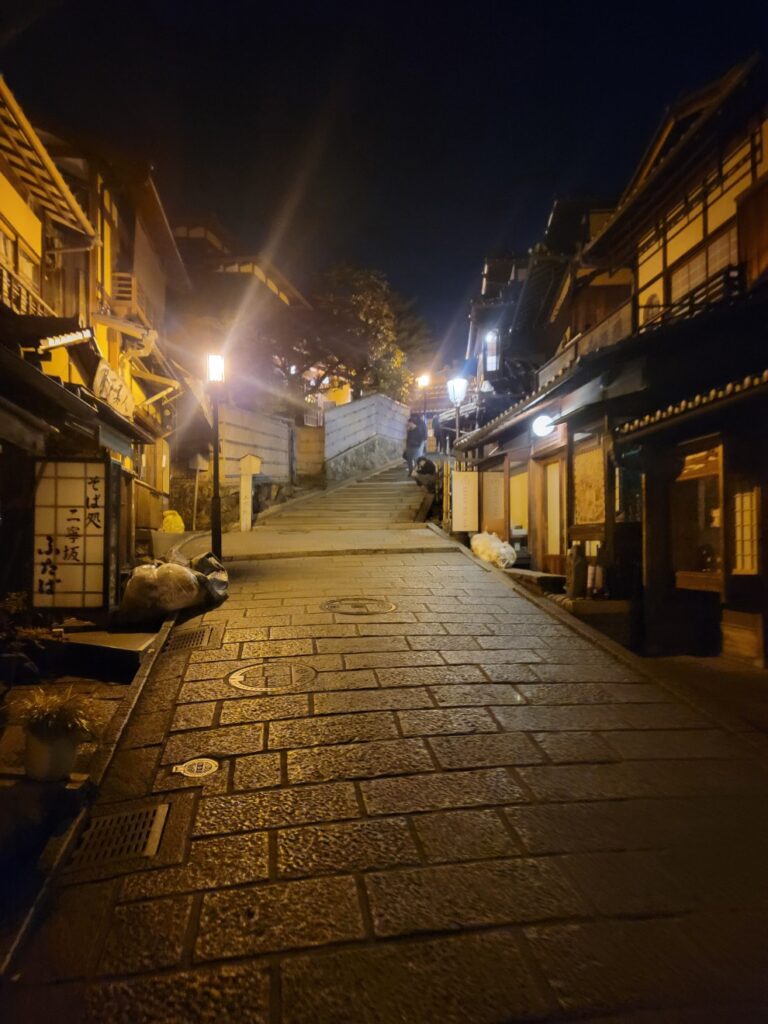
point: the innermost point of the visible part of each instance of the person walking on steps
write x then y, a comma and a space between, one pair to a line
416, 436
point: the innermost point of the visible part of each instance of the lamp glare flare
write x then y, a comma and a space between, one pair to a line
457, 390
423, 380
215, 368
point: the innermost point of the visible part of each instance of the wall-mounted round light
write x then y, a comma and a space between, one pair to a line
543, 426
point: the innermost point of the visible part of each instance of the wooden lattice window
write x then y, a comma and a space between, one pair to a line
745, 529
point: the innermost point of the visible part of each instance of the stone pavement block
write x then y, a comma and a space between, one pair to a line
462, 628
228, 992
400, 629
626, 882
168, 666
697, 743
538, 624
567, 747
704, 777
508, 657
480, 978
355, 728
442, 642
623, 965
512, 642
227, 652
239, 635
362, 644
466, 895
594, 693
257, 771
463, 835
357, 846
358, 760
276, 648
516, 673
225, 860
392, 659
430, 676
146, 936
586, 781
193, 716
736, 943
214, 669
266, 709
485, 751
269, 918
543, 718
297, 805
446, 720
383, 617
221, 742
436, 791
146, 728
360, 679
303, 632
479, 694
255, 620
581, 671
391, 699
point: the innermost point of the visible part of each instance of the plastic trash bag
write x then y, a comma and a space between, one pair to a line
213, 576
172, 522
491, 549
158, 589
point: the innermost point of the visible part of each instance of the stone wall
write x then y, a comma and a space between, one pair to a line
182, 499
246, 432
363, 435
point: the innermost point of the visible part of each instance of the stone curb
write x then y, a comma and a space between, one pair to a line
59, 848
735, 726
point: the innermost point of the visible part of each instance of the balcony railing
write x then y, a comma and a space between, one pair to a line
16, 294
130, 299
722, 287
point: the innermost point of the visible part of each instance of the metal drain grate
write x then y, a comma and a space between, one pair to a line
117, 836
186, 639
358, 605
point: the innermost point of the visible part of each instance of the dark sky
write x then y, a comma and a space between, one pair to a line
396, 136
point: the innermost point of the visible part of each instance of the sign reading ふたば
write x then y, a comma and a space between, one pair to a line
69, 535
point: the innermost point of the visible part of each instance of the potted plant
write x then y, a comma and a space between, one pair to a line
55, 724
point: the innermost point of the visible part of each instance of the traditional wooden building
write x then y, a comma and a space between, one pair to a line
643, 434
87, 389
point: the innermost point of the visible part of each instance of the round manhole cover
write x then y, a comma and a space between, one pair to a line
358, 605
197, 768
273, 677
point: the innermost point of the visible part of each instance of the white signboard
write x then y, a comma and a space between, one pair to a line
464, 487
69, 535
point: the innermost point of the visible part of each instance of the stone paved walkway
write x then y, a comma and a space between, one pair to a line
457, 811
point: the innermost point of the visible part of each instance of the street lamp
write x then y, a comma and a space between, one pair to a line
215, 380
423, 383
457, 390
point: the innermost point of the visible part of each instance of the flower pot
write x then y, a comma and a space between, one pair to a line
49, 760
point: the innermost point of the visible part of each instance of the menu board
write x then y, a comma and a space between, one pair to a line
69, 535
464, 487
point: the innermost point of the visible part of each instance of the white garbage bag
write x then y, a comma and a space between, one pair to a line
492, 549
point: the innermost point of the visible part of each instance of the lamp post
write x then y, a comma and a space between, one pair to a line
423, 383
457, 390
215, 380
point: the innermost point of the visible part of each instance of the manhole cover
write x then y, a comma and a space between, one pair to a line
197, 768
271, 678
358, 605
129, 834
186, 639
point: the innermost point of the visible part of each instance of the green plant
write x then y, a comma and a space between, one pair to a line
52, 716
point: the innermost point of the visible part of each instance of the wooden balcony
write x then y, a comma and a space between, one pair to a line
130, 300
18, 295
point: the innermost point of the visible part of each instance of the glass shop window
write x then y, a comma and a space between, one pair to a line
697, 514
744, 515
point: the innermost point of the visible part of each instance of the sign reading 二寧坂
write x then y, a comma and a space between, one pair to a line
69, 535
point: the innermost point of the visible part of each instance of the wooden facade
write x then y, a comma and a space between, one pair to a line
656, 393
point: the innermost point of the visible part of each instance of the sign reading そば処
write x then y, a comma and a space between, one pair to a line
69, 535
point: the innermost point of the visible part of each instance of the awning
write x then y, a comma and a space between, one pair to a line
33, 166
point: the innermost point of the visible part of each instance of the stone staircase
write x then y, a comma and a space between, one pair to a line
385, 501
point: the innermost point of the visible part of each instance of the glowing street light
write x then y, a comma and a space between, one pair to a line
422, 382
215, 380
457, 392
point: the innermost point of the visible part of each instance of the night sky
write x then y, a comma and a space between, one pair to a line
395, 136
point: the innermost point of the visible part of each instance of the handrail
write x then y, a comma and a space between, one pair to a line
17, 295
